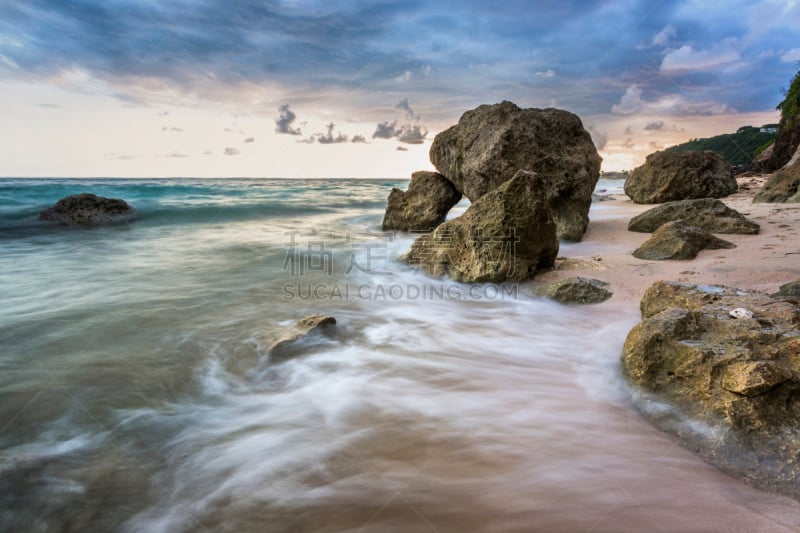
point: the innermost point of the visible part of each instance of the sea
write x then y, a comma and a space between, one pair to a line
137, 393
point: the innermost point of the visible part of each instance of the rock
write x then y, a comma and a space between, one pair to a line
307, 332
706, 213
788, 290
787, 140
424, 206
726, 388
762, 160
506, 235
678, 240
784, 185
88, 209
574, 291
741, 312
668, 176
492, 142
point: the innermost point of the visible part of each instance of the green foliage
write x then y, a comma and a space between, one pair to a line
790, 106
763, 147
737, 148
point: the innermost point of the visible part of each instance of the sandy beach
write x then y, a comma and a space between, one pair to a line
760, 262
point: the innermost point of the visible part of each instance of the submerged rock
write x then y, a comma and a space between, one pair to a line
706, 213
784, 185
574, 291
668, 176
492, 142
423, 206
732, 384
306, 333
506, 235
88, 209
678, 240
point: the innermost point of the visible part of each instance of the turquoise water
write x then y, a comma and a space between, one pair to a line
136, 392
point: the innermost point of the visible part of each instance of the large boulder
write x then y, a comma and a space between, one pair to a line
88, 209
667, 176
574, 291
492, 142
719, 369
679, 240
784, 185
506, 235
423, 206
706, 213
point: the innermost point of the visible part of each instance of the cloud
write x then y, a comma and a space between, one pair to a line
687, 58
655, 146
176, 154
412, 134
663, 37
405, 76
628, 131
401, 149
600, 138
408, 133
328, 137
231, 151
631, 101
120, 157
250, 140
385, 130
655, 126
791, 56
173, 128
206, 151
358, 139
285, 121
405, 107
669, 104
549, 73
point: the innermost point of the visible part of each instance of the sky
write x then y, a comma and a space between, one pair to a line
313, 88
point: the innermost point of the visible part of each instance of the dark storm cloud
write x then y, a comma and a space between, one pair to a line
597, 48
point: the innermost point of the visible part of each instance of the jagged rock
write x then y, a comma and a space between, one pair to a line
761, 161
787, 140
88, 209
574, 291
492, 142
668, 176
678, 240
784, 185
731, 386
506, 235
706, 213
789, 290
423, 206
307, 332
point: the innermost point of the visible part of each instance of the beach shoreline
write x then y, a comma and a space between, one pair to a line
761, 262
